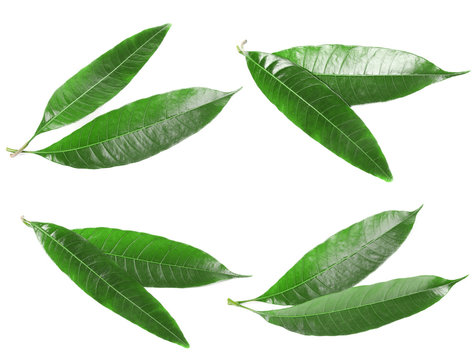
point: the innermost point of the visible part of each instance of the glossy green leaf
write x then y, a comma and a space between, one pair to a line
343, 260
360, 308
138, 130
156, 261
98, 276
362, 74
319, 111
101, 80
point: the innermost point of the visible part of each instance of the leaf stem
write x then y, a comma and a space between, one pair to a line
240, 48
236, 303
20, 150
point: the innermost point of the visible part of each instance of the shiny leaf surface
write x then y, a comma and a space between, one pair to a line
98, 276
361, 308
138, 130
361, 74
310, 104
101, 80
156, 261
343, 260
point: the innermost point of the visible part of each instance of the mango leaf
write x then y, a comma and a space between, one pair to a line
363, 74
318, 110
100, 81
360, 308
343, 260
98, 276
156, 261
138, 130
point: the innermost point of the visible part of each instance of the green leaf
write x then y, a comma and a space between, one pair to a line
138, 130
99, 81
362, 74
98, 276
343, 260
156, 261
360, 308
319, 111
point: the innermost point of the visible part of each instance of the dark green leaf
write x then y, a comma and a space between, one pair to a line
319, 111
97, 275
361, 308
138, 130
101, 80
156, 261
343, 260
361, 74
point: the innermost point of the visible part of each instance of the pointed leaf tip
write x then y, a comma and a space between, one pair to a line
418, 209
459, 279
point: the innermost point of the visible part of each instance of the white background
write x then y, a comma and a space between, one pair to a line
251, 188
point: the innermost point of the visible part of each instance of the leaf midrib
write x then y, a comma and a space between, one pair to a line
102, 79
337, 263
354, 307
171, 265
382, 75
303, 100
133, 131
103, 280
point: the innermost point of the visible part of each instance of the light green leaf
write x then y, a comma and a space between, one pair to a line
363, 74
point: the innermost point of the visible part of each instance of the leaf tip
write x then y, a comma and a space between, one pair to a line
388, 177
457, 73
458, 280
415, 212
185, 344
231, 93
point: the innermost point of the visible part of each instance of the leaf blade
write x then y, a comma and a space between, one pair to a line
138, 130
361, 308
363, 74
155, 261
318, 111
343, 260
101, 80
110, 285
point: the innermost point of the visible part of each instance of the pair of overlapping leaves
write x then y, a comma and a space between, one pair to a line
315, 87
319, 286
133, 132
113, 266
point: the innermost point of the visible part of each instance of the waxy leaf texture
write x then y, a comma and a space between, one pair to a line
360, 308
363, 74
138, 130
318, 110
343, 260
101, 80
156, 261
101, 278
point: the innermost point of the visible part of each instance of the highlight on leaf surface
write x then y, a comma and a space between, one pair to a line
364, 74
343, 260
156, 261
360, 308
100, 277
138, 130
99, 81
318, 110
